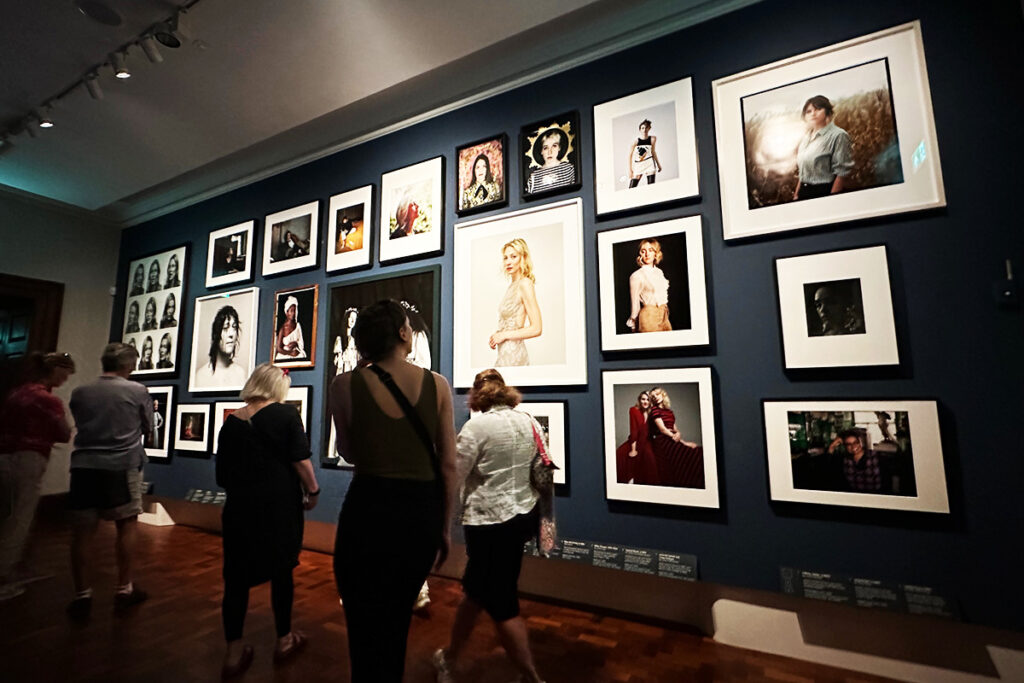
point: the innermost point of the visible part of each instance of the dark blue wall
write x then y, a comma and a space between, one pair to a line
955, 344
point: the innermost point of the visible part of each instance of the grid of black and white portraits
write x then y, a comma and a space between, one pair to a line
520, 296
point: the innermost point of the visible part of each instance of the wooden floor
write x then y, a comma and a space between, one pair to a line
176, 635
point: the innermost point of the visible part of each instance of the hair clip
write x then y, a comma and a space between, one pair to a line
285, 371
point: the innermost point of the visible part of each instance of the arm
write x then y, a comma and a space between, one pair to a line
445, 445
842, 161
298, 446
146, 413
279, 342
660, 424
634, 298
528, 292
299, 345
837, 185
654, 153
631, 150
304, 468
341, 412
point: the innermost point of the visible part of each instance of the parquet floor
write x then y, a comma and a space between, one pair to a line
176, 636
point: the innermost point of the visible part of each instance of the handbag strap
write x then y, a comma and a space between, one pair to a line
410, 413
541, 450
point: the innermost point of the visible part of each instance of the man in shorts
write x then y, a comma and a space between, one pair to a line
113, 416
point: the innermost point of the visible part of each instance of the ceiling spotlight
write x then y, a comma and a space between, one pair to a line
43, 116
92, 84
173, 32
119, 63
152, 51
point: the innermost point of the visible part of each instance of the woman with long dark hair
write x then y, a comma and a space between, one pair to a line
225, 336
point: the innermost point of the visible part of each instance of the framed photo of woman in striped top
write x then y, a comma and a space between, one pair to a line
550, 156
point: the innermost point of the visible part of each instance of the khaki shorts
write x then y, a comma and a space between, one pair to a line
130, 509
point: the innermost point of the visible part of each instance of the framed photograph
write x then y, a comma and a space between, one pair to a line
549, 156
521, 305
349, 228
295, 318
299, 398
419, 292
553, 419
152, 310
290, 239
193, 433
229, 256
224, 340
482, 175
838, 134
412, 211
158, 442
645, 148
652, 285
221, 411
659, 436
862, 453
835, 309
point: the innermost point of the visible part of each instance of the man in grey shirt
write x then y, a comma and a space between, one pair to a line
112, 416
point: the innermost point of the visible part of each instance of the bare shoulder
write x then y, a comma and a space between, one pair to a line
526, 285
441, 383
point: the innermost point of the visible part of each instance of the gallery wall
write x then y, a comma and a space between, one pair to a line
957, 346
51, 244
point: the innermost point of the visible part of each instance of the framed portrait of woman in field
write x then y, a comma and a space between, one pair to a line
481, 175
645, 148
521, 305
883, 454
838, 134
229, 256
652, 288
349, 229
295, 318
659, 436
412, 211
155, 301
290, 239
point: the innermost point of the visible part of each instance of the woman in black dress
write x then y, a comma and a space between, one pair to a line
263, 465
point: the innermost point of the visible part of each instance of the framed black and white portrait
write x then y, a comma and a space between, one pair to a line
521, 305
838, 134
549, 156
552, 416
229, 256
659, 436
861, 453
158, 442
645, 148
152, 311
653, 293
221, 411
290, 239
418, 291
192, 435
350, 229
294, 332
224, 340
412, 211
298, 398
835, 309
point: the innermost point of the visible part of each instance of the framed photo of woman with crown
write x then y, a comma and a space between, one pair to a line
549, 156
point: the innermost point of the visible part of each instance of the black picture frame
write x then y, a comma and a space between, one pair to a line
531, 137
465, 162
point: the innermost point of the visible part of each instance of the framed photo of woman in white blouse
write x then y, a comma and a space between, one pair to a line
653, 293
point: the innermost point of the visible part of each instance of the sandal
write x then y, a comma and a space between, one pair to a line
240, 667
294, 646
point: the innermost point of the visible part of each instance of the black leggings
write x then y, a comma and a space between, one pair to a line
633, 182
388, 535
236, 604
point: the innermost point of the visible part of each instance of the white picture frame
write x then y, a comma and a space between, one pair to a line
759, 203
413, 195
828, 483
203, 376
158, 442
350, 230
299, 397
835, 309
669, 108
155, 289
553, 234
229, 255
553, 417
691, 395
291, 238
192, 433
680, 247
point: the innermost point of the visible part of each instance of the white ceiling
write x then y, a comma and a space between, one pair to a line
264, 85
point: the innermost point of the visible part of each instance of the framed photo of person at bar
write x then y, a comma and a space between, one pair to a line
884, 453
838, 134
652, 286
290, 239
835, 309
229, 256
153, 308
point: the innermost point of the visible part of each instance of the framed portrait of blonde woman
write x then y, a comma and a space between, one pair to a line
519, 302
653, 293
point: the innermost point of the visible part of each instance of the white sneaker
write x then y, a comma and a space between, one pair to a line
10, 590
444, 673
